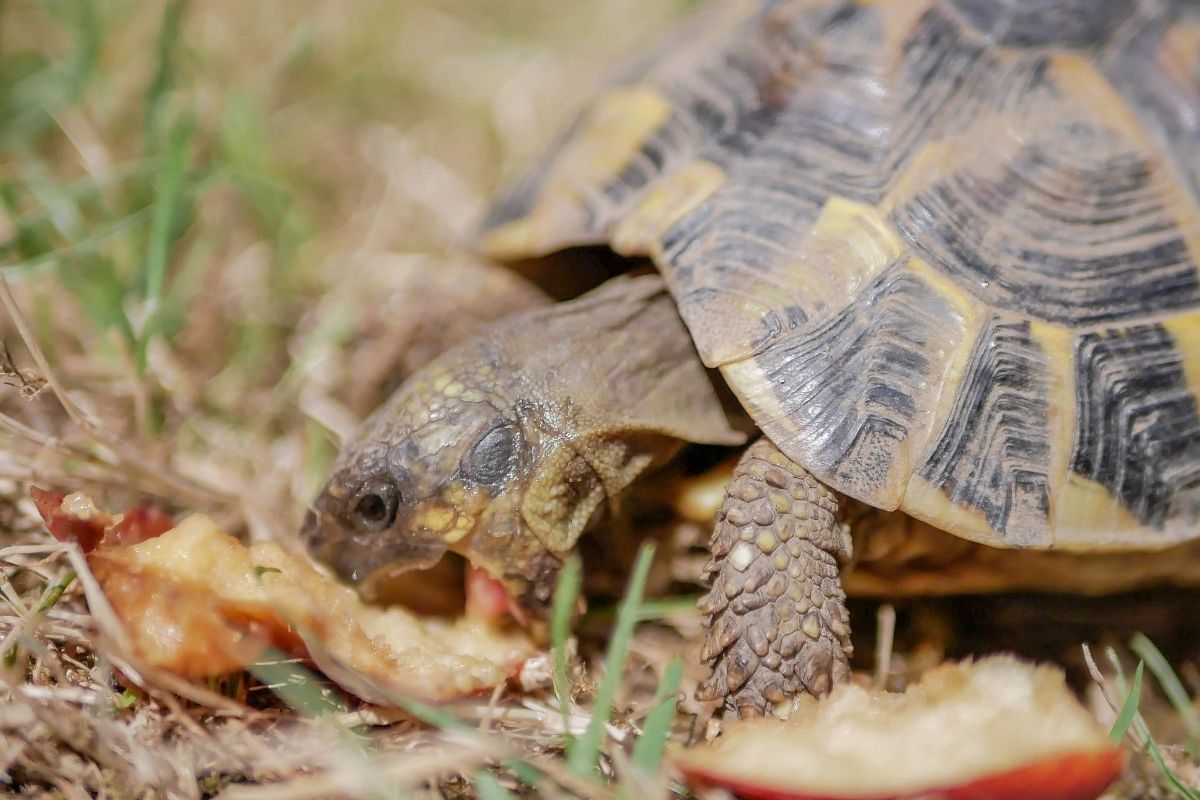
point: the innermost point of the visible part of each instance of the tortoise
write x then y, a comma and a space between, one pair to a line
943, 253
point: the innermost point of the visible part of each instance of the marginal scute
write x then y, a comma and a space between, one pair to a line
929, 503
993, 456
1138, 428
851, 397
1088, 516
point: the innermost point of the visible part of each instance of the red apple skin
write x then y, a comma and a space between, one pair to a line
486, 598
136, 524
1071, 776
1074, 776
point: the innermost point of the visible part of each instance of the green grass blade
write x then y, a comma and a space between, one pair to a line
297, 685
54, 594
127, 699
1173, 781
657, 608
167, 46
429, 714
1129, 708
487, 787
46, 254
665, 606
168, 201
523, 771
89, 274
1172, 687
1142, 731
583, 753
648, 751
566, 596
89, 38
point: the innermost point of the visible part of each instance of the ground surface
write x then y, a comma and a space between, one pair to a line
201, 207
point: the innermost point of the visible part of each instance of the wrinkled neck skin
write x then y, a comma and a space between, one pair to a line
504, 450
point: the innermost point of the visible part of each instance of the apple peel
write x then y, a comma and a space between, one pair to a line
198, 603
993, 729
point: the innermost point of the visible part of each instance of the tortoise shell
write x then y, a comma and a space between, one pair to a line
944, 251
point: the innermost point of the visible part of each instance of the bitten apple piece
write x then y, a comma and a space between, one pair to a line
993, 729
392, 648
199, 603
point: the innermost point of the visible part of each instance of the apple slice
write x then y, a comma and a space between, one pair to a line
199, 603
993, 729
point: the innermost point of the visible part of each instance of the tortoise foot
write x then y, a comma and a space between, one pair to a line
777, 619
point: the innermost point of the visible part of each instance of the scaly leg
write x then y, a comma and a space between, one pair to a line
778, 625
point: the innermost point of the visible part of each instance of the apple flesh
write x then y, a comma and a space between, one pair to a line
994, 729
199, 603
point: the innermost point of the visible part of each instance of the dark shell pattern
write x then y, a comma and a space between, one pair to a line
944, 251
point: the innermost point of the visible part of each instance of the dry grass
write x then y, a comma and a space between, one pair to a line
200, 207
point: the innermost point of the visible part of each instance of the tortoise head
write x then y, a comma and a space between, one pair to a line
443, 467
504, 449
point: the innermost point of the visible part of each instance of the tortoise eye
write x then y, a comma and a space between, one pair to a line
376, 507
491, 461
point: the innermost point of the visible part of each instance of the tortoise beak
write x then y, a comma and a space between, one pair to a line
355, 557
394, 567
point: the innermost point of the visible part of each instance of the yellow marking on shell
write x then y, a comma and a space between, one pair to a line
671, 199
1079, 79
611, 135
899, 20
863, 228
972, 314
987, 139
849, 240
1185, 330
1087, 516
1179, 52
1185, 214
927, 502
756, 394
934, 160
1058, 346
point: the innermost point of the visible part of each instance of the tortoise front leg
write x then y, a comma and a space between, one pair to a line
777, 624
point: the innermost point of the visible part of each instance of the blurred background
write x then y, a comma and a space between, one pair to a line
220, 220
